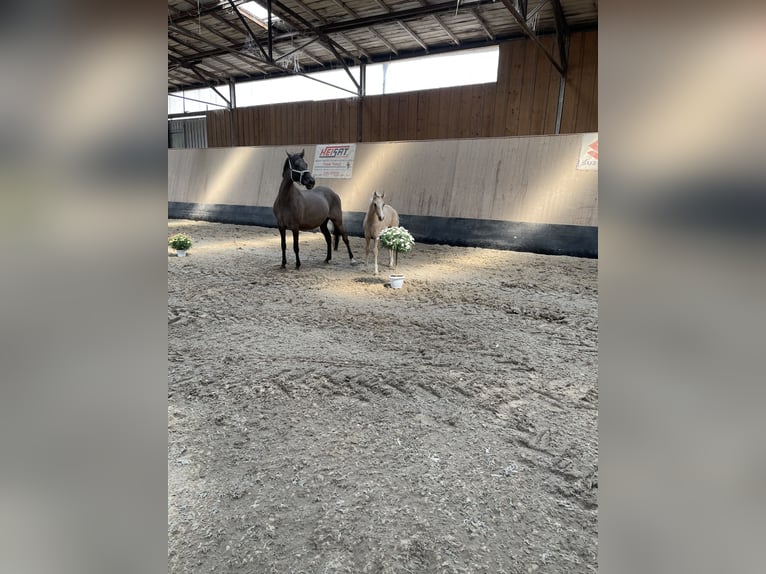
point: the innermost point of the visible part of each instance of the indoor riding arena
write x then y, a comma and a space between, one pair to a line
320, 420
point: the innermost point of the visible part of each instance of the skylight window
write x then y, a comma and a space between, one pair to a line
477, 66
257, 13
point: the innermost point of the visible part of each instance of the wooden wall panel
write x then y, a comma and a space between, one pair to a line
514, 88
572, 93
383, 127
440, 113
422, 107
462, 111
543, 80
488, 110
588, 84
527, 89
371, 123
434, 111
530, 179
476, 107
523, 101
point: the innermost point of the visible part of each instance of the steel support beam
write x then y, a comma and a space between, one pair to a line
196, 100
520, 20
410, 13
325, 39
323, 20
279, 71
232, 50
212, 82
181, 17
446, 30
221, 48
214, 57
560, 104
360, 101
370, 29
298, 49
404, 26
271, 32
244, 46
482, 23
562, 34
198, 56
250, 32
186, 115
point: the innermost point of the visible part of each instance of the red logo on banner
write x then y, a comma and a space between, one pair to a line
334, 151
593, 150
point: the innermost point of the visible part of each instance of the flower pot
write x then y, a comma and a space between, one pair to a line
181, 252
396, 281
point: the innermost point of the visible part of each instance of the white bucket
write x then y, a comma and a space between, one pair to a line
396, 281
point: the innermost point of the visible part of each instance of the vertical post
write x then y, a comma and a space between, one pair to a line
560, 108
268, 9
562, 82
360, 102
232, 108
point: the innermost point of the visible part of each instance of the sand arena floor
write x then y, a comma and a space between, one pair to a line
320, 421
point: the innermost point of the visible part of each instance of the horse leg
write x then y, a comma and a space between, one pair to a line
295, 248
326, 233
342, 230
284, 246
337, 235
375, 251
366, 248
390, 259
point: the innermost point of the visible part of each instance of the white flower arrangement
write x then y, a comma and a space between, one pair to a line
398, 240
180, 241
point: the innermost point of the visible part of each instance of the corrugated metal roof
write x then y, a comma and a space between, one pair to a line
210, 43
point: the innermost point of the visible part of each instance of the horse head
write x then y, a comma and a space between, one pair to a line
298, 170
377, 203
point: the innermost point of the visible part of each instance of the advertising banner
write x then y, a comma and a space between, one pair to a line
334, 161
588, 152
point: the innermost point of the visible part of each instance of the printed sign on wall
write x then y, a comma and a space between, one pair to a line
334, 161
588, 152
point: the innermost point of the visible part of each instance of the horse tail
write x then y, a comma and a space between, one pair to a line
336, 233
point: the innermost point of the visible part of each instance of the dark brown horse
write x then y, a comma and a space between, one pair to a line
299, 210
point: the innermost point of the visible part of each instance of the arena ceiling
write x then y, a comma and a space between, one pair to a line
211, 43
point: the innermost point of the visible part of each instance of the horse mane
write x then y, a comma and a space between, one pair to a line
285, 166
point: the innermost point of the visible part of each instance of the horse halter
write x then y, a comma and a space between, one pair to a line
299, 171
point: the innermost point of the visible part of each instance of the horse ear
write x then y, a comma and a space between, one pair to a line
288, 153
303, 151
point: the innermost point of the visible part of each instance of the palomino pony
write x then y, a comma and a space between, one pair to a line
379, 216
299, 210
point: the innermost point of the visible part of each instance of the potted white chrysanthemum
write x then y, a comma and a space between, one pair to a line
398, 240
180, 242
